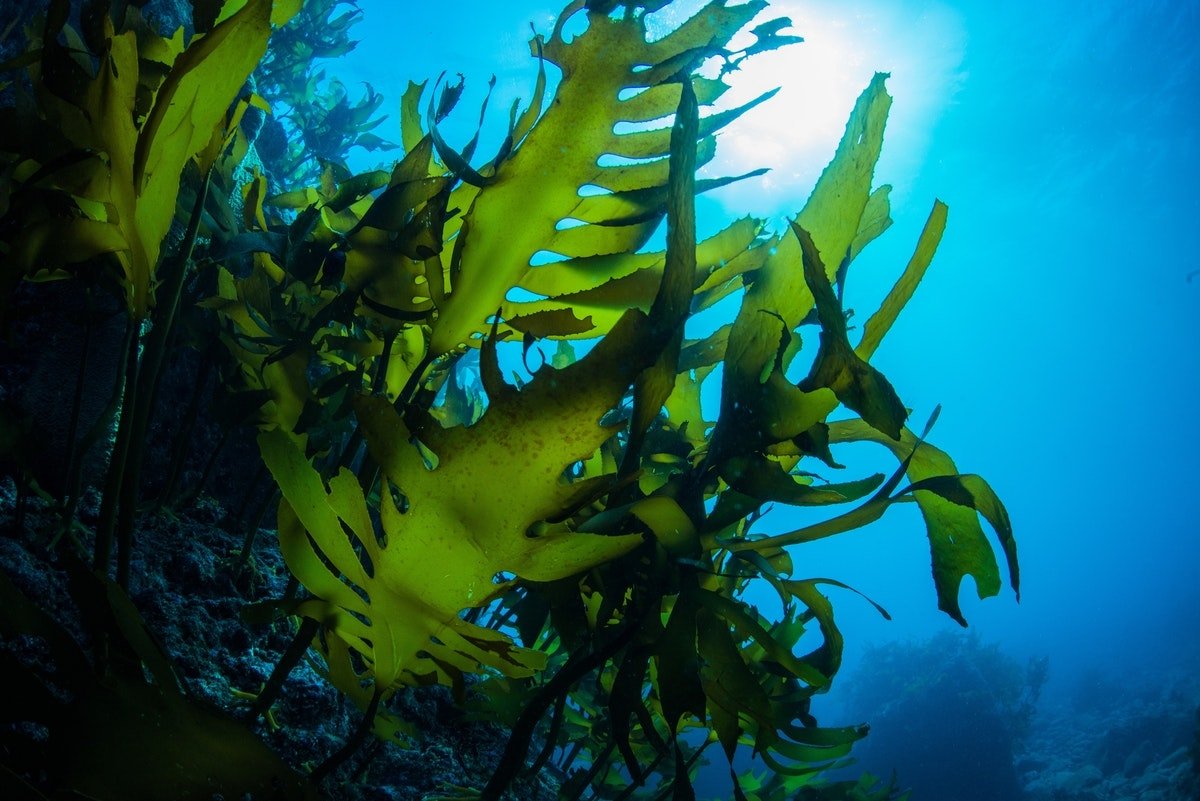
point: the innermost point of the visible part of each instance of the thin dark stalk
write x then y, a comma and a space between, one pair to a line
499, 618
283, 668
106, 526
413, 384
102, 424
350, 449
569, 759
687, 769
209, 465
599, 761
640, 780
179, 450
77, 403
368, 474
252, 529
381, 366
352, 744
551, 743
150, 379
251, 493
522, 731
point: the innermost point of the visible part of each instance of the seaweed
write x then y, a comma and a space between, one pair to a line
568, 552
640, 573
314, 121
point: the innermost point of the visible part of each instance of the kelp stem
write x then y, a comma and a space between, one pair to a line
149, 379
283, 668
77, 402
672, 788
599, 762
101, 425
179, 450
542, 758
522, 731
202, 482
352, 744
116, 464
381, 366
252, 529
253, 492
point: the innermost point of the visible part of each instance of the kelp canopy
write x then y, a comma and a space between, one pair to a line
579, 542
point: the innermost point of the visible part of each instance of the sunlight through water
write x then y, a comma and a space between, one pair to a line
794, 134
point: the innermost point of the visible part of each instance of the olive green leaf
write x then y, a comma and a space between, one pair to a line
767, 480
950, 506
879, 323
759, 406
858, 385
134, 188
574, 132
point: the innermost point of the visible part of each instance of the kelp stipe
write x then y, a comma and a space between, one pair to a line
95, 162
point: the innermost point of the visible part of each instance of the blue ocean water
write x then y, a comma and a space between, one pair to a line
1059, 326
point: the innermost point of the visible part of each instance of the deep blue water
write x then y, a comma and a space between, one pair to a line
1057, 327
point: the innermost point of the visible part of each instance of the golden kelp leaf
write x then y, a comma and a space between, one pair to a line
403, 634
411, 130
671, 304
630, 280
281, 10
455, 515
573, 134
906, 285
285, 379
551, 322
52, 243
876, 218
190, 104
757, 403
858, 385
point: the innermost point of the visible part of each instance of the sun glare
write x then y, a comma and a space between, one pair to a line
845, 43
919, 42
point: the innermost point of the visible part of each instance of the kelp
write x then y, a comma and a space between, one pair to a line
315, 121
114, 144
581, 540
120, 120
615, 543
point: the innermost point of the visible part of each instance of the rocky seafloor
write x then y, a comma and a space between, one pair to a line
186, 584
1103, 742
1117, 746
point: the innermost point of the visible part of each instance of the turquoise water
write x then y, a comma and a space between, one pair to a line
1058, 326
1056, 333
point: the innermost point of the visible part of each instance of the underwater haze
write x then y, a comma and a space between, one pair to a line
1059, 326
356, 444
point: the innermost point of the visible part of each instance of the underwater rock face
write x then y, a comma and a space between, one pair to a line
190, 596
1131, 746
957, 720
944, 749
948, 715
